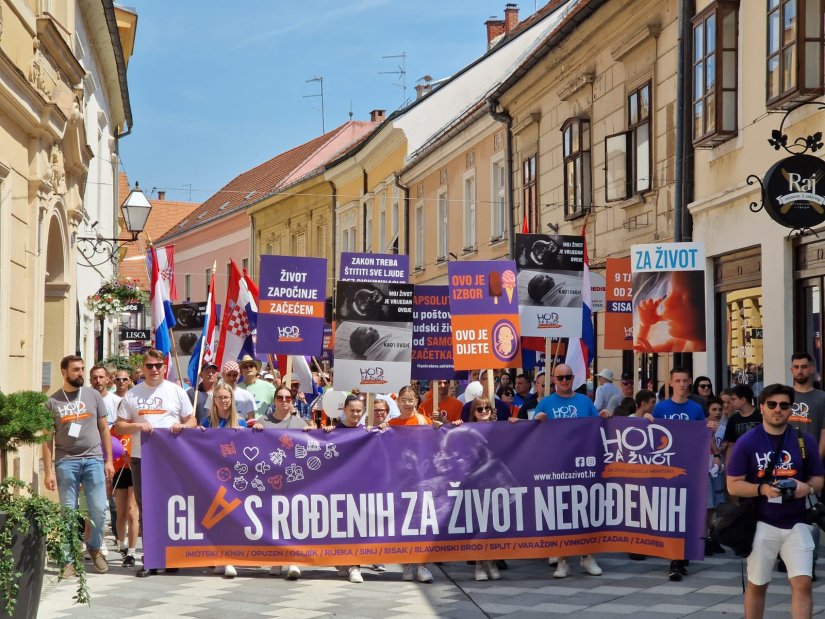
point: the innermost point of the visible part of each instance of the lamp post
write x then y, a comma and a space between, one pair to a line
136, 209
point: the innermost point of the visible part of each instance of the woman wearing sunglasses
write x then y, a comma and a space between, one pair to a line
281, 414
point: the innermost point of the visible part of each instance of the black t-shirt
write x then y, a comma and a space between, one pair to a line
739, 425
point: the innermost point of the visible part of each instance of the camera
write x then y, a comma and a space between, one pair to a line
815, 514
787, 487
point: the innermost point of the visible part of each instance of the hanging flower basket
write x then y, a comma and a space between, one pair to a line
113, 295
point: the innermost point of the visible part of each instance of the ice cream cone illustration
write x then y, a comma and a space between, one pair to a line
508, 280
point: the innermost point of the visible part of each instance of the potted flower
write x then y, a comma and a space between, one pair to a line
31, 525
113, 295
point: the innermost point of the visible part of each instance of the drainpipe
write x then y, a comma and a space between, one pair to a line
334, 192
682, 222
406, 190
507, 120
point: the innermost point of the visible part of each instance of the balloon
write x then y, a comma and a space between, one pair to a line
117, 448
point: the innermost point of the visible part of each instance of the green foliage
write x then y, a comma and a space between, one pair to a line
124, 363
23, 419
23, 509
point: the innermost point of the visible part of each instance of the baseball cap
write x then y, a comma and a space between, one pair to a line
207, 365
230, 366
627, 376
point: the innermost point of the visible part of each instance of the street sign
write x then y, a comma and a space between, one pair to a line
135, 334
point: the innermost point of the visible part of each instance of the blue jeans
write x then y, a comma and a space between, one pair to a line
88, 472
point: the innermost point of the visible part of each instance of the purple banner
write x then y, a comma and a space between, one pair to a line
432, 352
291, 304
477, 491
380, 268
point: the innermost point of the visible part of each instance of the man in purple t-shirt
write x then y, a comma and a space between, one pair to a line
764, 459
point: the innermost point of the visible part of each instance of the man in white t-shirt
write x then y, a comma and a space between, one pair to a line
154, 403
99, 378
244, 400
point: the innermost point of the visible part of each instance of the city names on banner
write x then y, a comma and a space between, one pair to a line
478, 491
550, 279
432, 352
668, 297
373, 336
376, 268
485, 320
292, 296
618, 317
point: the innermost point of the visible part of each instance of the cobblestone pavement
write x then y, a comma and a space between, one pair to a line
527, 589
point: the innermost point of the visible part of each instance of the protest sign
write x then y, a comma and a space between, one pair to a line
478, 491
373, 336
668, 297
291, 302
376, 268
432, 353
618, 317
485, 318
550, 279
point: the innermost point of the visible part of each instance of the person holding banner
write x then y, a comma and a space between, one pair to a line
154, 403
408, 407
449, 408
281, 414
565, 403
222, 413
244, 401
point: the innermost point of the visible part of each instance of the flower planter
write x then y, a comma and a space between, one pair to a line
29, 550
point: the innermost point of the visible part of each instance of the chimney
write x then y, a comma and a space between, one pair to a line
377, 116
510, 17
161, 195
495, 28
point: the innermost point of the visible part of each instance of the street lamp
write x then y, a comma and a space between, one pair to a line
136, 209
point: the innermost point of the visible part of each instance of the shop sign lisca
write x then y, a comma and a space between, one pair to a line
795, 192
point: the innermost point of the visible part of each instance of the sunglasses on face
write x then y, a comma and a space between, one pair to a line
380, 411
154, 366
704, 386
627, 382
121, 380
483, 409
772, 404
230, 374
562, 377
224, 397
283, 398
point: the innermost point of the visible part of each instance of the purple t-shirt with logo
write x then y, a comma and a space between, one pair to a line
751, 456
557, 407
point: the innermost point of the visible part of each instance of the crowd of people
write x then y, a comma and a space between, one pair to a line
754, 451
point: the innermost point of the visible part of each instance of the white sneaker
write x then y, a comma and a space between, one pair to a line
480, 573
424, 574
562, 570
590, 566
293, 572
552, 561
409, 572
494, 573
229, 572
355, 574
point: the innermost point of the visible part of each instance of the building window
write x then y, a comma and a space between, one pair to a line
368, 231
576, 152
628, 154
530, 188
347, 226
419, 236
187, 287
442, 225
469, 212
245, 265
321, 240
299, 244
382, 222
714, 72
499, 177
795, 50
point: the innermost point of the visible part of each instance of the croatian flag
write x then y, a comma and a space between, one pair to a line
208, 341
165, 258
162, 317
580, 350
240, 317
300, 372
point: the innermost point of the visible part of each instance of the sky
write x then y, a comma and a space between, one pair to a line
218, 87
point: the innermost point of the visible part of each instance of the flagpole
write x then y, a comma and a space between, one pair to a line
198, 378
173, 349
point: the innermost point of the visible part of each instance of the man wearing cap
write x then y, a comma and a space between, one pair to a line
261, 390
299, 400
605, 390
244, 401
625, 391
209, 376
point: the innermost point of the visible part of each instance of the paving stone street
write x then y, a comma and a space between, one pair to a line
527, 589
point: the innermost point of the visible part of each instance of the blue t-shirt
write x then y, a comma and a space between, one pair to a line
751, 456
222, 423
557, 407
686, 411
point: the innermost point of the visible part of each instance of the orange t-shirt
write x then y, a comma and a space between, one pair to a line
452, 406
415, 420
